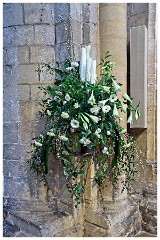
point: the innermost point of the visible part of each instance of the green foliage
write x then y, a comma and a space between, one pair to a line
83, 115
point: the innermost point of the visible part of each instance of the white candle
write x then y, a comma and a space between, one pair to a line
83, 64
88, 62
93, 72
88, 69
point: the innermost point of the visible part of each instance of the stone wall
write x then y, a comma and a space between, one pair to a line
37, 33
145, 185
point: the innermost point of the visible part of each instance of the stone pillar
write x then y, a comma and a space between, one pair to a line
113, 38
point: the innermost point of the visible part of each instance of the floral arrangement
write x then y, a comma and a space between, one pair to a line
83, 122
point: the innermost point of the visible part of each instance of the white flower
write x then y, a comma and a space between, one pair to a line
105, 88
115, 111
38, 144
64, 102
63, 138
102, 103
95, 110
56, 98
130, 118
76, 105
51, 134
98, 130
108, 133
64, 115
94, 118
105, 150
67, 97
116, 86
49, 113
91, 100
84, 141
106, 109
59, 93
65, 153
124, 107
113, 98
74, 123
70, 68
74, 64
125, 96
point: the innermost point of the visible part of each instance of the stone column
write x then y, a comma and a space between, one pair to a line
113, 38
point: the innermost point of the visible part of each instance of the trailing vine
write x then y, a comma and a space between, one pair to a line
83, 121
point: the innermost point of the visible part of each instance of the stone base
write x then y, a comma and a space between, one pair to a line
122, 219
45, 224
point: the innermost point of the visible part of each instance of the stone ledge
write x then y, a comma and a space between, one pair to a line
41, 224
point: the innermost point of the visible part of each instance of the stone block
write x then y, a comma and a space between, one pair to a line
75, 11
61, 12
119, 29
61, 52
23, 54
10, 111
24, 93
40, 54
36, 93
46, 76
139, 8
94, 13
27, 74
9, 37
10, 56
29, 111
10, 92
30, 130
91, 230
12, 14
93, 34
10, 133
85, 12
24, 35
86, 33
62, 32
77, 32
13, 187
9, 77
38, 13
12, 151
108, 12
13, 169
44, 35
77, 51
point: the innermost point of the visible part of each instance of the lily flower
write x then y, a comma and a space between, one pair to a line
91, 100
125, 96
130, 118
94, 118
115, 111
116, 86
102, 103
105, 88
95, 109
